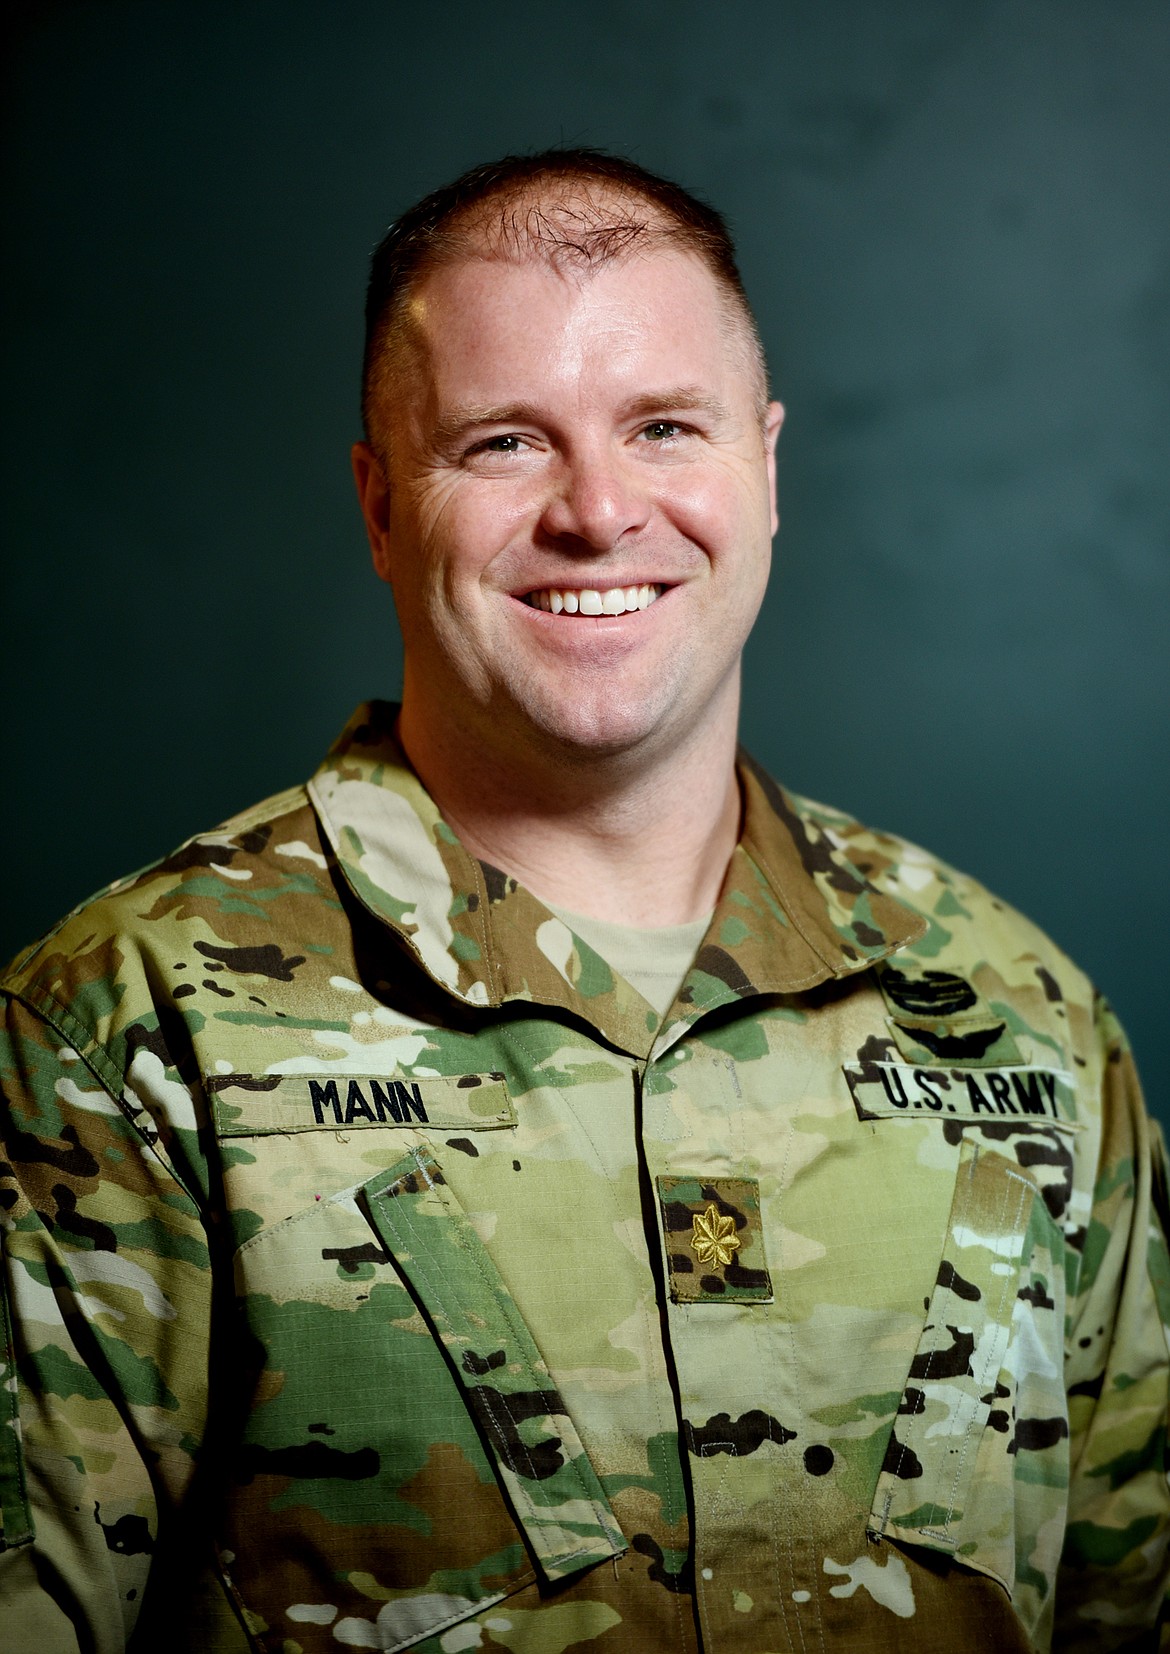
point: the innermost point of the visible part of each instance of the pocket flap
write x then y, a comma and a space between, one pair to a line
539, 1457
925, 1490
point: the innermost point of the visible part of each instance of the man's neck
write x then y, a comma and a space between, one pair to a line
636, 842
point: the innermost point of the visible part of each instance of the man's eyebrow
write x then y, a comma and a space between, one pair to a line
457, 422
678, 399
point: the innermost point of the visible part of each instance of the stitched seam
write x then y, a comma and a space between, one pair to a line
521, 1335
707, 1451
760, 988
653, 1335
95, 1058
414, 1637
305, 1213
517, 1331
104, 1071
1009, 1281
721, 1503
735, 1114
948, 1290
483, 924
664, 1457
487, 1396
535, 1062
782, 1185
980, 1386
777, 888
484, 1603
941, 1319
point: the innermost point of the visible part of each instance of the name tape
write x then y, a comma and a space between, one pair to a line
899, 1091
247, 1105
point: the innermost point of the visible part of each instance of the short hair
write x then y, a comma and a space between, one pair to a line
592, 218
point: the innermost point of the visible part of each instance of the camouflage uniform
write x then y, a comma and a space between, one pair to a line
357, 1215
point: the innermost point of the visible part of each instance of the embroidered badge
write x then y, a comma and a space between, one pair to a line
714, 1240
976, 1042
713, 1237
938, 1017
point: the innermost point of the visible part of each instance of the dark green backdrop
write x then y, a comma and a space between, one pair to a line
954, 222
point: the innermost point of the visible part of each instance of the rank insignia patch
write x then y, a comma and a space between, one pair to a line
714, 1240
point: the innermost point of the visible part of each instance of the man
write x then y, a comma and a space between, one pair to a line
542, 1186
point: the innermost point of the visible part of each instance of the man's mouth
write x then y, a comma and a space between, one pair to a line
618, 600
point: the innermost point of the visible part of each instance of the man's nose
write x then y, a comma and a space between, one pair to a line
596, 500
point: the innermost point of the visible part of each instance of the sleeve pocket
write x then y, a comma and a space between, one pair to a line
977, 1461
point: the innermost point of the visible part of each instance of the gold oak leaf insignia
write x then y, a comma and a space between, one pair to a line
713, 1238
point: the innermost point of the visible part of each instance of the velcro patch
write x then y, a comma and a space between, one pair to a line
714, 1240
248, 1105
900, 1091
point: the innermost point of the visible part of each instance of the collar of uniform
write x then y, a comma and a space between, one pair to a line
793, 910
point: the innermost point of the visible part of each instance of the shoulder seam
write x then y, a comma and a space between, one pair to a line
104, 1070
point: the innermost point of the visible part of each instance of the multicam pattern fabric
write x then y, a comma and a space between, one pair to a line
343, 1195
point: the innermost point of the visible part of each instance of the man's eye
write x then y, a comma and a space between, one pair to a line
661, 430
506, 444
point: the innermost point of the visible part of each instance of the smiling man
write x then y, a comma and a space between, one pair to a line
542, 1186
570, 486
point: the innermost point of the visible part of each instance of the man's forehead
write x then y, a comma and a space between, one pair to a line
514, 289
490, 279
571, 228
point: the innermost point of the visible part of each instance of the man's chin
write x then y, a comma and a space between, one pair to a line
596, 731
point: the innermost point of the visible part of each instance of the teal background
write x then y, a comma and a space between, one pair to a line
954, 225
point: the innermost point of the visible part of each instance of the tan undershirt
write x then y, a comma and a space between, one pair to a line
654, 961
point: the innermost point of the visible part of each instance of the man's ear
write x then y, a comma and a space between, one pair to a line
773, 420
374, 498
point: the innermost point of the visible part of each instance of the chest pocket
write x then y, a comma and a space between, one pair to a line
405, 1460
977, 1463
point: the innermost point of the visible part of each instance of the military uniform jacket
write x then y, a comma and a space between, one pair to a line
382, 1273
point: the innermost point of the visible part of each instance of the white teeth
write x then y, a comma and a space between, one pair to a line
618, 600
